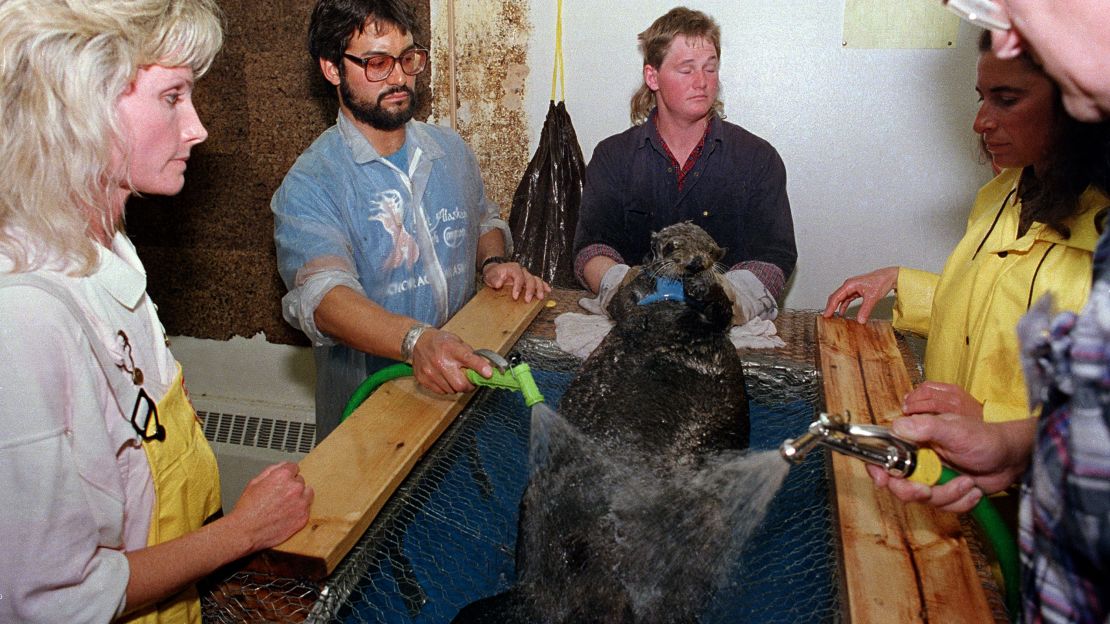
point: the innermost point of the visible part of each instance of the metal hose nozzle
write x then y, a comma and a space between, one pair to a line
871, 443
794, 450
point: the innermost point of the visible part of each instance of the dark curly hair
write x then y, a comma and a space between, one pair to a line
335, 22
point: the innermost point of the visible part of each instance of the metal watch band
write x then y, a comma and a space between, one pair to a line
409, 342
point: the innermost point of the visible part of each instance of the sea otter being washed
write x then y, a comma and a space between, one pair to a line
624, 516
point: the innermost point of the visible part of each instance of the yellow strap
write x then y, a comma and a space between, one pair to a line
557, 70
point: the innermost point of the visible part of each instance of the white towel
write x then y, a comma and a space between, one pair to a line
579, 334
756, 334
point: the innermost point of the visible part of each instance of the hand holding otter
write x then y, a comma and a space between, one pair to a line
615, 277
750, 298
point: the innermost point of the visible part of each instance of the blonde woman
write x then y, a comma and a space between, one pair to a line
107, 478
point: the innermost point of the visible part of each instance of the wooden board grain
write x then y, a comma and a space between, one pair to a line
356, 468
900, 563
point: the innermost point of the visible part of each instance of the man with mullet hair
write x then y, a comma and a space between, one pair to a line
383, 222
682, 162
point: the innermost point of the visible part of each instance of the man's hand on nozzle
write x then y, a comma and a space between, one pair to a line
989, 456
440, 360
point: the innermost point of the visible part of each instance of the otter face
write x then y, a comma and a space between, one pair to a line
683, 250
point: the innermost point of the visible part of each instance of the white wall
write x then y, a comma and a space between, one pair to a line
248, 375
881, 161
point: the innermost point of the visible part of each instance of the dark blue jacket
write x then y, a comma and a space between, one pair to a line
736, 192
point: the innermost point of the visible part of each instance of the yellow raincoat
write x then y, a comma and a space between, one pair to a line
969, 312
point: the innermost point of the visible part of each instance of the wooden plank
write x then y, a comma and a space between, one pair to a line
356, 468
901, 563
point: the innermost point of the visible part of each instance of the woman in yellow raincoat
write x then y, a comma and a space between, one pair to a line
1032, 231
107, 479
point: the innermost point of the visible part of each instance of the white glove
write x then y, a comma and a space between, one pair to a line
610, 284
750, 298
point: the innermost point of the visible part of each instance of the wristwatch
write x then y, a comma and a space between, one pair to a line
492, 260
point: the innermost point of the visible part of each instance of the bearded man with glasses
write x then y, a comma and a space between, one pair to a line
383, 223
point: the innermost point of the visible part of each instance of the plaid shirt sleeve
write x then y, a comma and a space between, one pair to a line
1064, 530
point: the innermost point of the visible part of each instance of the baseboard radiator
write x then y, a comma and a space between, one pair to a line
289, 436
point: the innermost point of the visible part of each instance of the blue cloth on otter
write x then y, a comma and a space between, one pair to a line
437, 552
666, 289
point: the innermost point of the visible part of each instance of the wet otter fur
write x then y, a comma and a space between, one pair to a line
611, 526
668, 364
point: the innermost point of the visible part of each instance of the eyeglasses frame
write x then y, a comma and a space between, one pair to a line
364, 62
986, 14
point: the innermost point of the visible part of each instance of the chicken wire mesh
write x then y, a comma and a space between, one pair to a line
447, 536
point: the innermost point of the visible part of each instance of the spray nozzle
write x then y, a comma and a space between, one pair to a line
873, 444
511, 374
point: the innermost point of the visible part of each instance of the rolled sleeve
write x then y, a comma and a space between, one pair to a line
305, 231
497, 223
913, 302
314, 253
298, 306
770, 275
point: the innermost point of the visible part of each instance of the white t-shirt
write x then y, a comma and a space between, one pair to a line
75, 479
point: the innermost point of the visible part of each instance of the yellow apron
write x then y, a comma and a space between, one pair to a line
186, 491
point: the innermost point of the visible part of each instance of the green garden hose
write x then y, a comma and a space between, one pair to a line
371, 383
